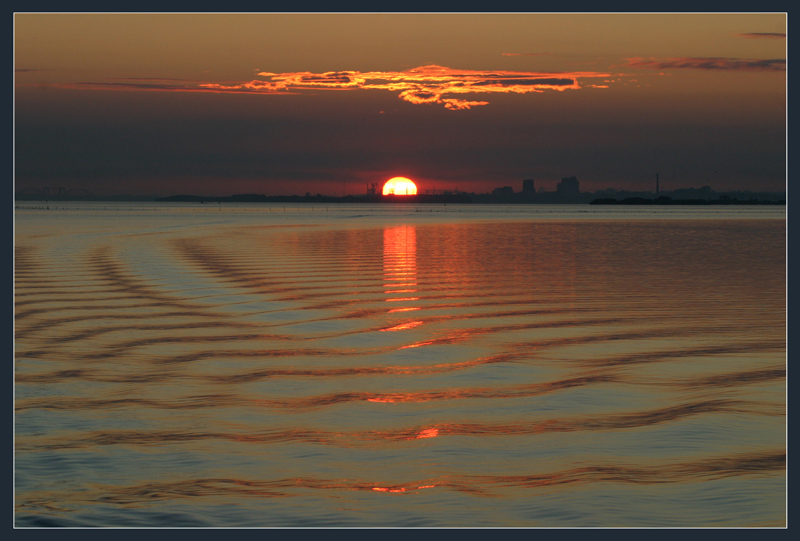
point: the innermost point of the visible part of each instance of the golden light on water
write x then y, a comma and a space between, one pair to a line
451, 338
400, 262
399, 186
400, 271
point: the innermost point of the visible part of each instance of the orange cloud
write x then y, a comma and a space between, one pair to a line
734, 64
427, 84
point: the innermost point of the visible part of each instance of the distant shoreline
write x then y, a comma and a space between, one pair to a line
670, 201
476, 199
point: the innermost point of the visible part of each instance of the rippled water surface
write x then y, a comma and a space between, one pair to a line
317, 366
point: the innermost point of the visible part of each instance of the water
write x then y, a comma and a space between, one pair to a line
188, 365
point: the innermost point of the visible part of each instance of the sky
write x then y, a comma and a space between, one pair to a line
293, 103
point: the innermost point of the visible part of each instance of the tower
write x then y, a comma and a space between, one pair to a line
527, 187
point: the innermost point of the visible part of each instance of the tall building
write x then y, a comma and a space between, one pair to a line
527, 187
568, 187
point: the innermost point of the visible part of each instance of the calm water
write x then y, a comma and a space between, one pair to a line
353, 366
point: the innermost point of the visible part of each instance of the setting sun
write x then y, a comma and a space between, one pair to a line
399, 186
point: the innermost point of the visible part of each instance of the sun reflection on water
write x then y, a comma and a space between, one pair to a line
400, 269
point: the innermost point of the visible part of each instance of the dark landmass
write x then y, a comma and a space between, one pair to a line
260, 198
724, 200
504, 195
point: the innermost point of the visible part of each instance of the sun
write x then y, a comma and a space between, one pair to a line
399, 186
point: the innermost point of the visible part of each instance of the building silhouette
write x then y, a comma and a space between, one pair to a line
505, 191
527, 188
568, 187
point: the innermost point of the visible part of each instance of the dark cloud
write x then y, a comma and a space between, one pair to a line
767, 35
731, 64
329, 78
153, 79
525, 82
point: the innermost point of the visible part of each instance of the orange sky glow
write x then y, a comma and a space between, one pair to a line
219, 104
